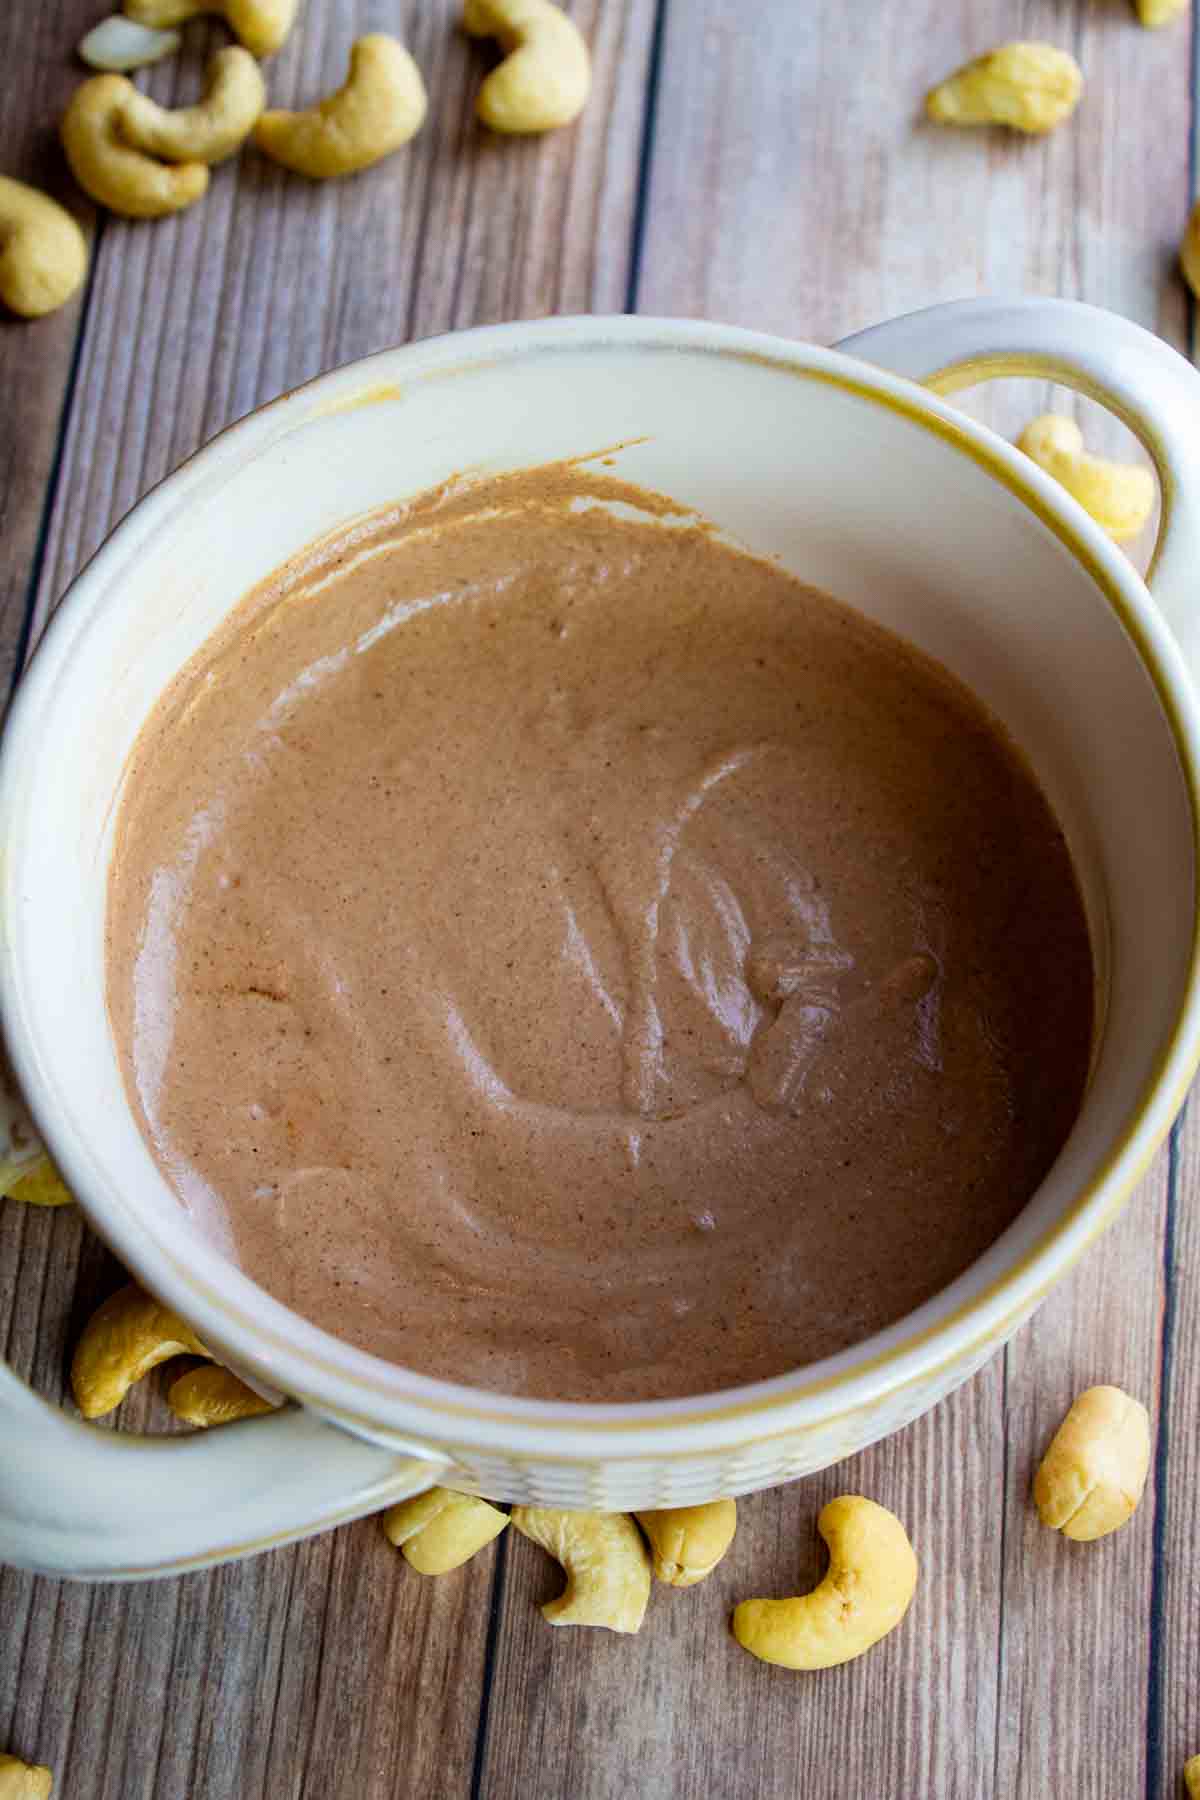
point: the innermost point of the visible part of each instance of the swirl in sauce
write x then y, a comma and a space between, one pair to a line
559, 952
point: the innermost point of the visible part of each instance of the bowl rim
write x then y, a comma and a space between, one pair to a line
379, 1398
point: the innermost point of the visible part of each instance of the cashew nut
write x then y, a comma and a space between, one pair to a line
1189, 251
1030, 87
1091, 1478
126, 1338
26, 1171
112, 171
544, 79
440, 1530
24, 1781
43, 253
1119, 496
379, 106
261, 25
234, 98
689, 1541
1160, 12
21, 1149
866, 1592
214, 1396
37, 1185
607, 1568
117, 45
1191, 1776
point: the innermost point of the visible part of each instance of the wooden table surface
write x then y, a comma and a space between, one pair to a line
763, 162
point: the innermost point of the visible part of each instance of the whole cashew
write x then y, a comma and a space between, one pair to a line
24, 1781
122, 1341
214, 1396
607, 1568
1091, 1478
1160, 12
440, 1530
234, 98
261, 25
380, 105
866, 1592
112, 171
544, 80
1030, 87
1191, 1777
21, 1149
1119, 496
43, 253
117, 45
1189, 251
689, 1541
26, 1171
38, 1185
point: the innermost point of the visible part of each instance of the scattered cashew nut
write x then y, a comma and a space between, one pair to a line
39, 1185
1189, 251
865, 1593
1030, 87
117, 45
440, 1530
1160, 12
1091, 1478
380, 105
234, 97
689, 1541
1119, 495
110, 169
544, 79
21, 1149
261, 25
214, 1396
24, 1781
43, 253
1191, 1777
607, 1568
126, 1338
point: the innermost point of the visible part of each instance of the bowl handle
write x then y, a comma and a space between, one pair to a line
103, 1506
1153, 389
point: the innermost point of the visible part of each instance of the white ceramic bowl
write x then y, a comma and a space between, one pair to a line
859, 481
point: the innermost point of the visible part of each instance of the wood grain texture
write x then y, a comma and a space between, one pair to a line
330, 1669
829, 203
682, 1712
789, 185
35, 355
327, 1670
1075, 1650
1174, 1626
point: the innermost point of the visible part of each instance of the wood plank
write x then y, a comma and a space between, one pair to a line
1173, 1626
1076, 1641
680, 1711
827, 206
35, 355
830, 204
328, 1668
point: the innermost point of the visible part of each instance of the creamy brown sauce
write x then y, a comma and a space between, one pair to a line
561, 953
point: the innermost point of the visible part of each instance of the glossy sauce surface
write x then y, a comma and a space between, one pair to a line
561, 953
